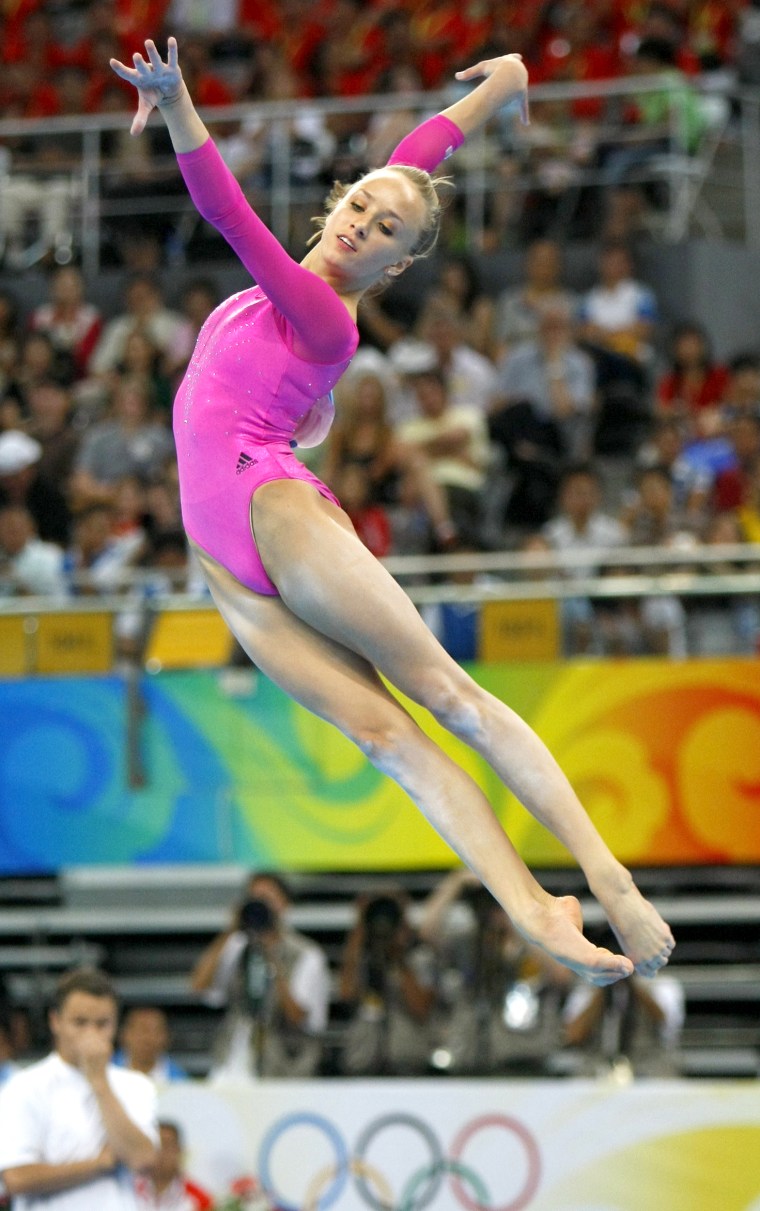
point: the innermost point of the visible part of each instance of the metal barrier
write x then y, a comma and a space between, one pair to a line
48, 635
733, 118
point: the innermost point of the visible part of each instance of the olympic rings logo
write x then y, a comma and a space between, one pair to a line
327, 1185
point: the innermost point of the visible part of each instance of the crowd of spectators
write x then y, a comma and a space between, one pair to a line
88, 482
57, 54
55, 60
576, 421
533, 416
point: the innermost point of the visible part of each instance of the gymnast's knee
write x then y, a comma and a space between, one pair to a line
385, 743
457, 703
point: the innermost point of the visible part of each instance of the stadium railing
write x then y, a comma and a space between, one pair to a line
732, 117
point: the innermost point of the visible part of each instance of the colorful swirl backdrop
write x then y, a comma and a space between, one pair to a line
665, 756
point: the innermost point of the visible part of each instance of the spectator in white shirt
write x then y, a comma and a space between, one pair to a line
619, 314
470, 377
274, 983
144, 311
580, 526
29, 564
555, 376
74, 1129
453, 437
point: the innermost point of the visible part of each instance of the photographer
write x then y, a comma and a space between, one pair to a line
386, 980
633, 1030
274, 982
502, 997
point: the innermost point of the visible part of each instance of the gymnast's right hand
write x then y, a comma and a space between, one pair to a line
157, 82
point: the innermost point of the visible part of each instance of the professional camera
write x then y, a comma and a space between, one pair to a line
257, 917
382, 917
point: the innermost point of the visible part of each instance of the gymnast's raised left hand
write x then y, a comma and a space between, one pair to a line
158, 82
509, 68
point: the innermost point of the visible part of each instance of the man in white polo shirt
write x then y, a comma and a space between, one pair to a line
74, 1129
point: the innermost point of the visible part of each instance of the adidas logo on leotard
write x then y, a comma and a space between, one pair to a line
244, 462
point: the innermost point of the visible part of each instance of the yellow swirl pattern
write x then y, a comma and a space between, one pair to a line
705, 1169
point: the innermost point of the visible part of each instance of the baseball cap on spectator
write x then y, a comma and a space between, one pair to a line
410, 357
17, 452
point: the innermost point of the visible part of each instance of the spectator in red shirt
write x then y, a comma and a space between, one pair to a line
509, 26
207, 88
630, 21
138, 21
579, 53
703, 31
670, 23
299, 28
31, 39
349, 57
73, 324
26, 92
103, 39
694, 385
165, 1187
401, 44
15, 13
264, 19
440, 29
369, 519
734, 484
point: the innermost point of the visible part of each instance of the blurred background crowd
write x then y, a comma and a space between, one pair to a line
548, 413
536, 416
55, 54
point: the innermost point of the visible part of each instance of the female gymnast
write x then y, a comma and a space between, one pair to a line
312, 607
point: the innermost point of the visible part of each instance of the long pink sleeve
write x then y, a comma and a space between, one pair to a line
325, 330
428, 144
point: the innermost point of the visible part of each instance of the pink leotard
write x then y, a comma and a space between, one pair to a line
264, 365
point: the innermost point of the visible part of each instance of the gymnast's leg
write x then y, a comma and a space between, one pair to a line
343, 688
328, 579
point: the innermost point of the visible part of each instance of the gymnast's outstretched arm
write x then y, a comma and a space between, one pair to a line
505, 80
298, 294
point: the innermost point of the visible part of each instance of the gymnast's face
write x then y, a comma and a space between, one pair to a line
372, 230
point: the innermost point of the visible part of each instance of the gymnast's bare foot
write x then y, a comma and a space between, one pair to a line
556, 925
638, 927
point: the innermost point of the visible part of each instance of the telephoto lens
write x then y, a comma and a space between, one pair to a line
257, 917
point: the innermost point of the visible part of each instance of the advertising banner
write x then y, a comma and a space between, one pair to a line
450, 1145
184, 767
